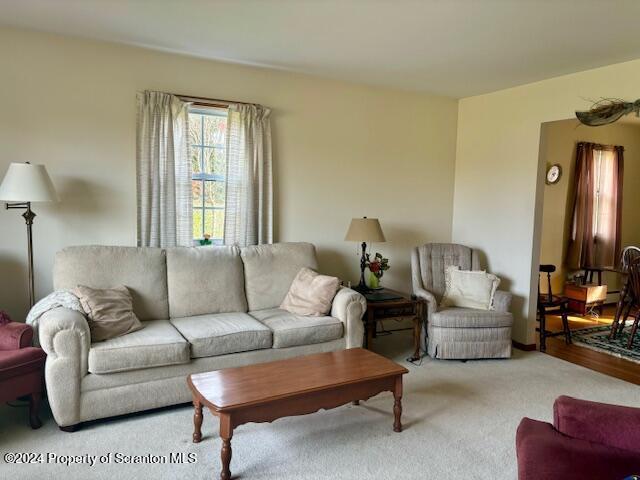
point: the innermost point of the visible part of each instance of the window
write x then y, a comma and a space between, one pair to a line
207, 151
604, 192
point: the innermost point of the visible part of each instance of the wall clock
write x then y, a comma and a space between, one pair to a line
553, 174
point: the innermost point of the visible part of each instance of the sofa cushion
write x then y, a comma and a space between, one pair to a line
470, 318
205, 280
221, 333
156, 345
310, 293
142, 270
109, 311
290, 330
270, 269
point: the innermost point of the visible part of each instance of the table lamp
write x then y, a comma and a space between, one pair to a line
23, 184
364, 230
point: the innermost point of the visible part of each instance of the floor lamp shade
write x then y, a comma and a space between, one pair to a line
25, 182
22, 185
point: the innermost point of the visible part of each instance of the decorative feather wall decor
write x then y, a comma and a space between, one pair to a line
608, 110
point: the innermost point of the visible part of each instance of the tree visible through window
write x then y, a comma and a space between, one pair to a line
207, 134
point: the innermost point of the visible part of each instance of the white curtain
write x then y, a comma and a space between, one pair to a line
249, 192
165, 214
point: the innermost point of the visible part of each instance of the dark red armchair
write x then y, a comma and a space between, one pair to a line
587, 440
21, 367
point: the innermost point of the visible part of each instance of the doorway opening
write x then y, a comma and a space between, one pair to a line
587, 213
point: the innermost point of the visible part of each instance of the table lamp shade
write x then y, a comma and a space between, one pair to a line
25, 182
365, 230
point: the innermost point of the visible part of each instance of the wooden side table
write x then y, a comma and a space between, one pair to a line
399, 308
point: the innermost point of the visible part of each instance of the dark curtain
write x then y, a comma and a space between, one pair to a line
594, 236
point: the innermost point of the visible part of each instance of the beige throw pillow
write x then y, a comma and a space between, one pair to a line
310, 293
109, 311
469, 289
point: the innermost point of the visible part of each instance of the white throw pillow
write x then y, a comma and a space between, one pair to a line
469, 289
310, 293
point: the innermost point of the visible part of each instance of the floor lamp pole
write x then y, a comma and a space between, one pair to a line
28, 216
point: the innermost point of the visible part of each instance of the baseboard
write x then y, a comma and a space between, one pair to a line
522, 346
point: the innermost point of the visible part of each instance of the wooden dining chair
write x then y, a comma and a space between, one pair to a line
633, 295
623, 307
550, 304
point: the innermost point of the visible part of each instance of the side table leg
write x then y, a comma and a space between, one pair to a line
226, 432
370, 328
397, 405
417, 327
197, 421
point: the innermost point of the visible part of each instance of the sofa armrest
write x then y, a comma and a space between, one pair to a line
612, 425
544, 453
502, 301
15, 335
349, 307
65, 337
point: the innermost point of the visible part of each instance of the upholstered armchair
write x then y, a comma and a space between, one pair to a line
454, 332
21, 368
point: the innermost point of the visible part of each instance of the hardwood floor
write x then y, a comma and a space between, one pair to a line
601, 362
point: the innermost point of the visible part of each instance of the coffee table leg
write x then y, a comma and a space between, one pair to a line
397, 405
197, 421
226, 432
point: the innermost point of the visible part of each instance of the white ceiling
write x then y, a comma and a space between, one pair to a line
451, 47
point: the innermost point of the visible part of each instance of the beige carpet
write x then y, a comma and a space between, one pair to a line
460, 421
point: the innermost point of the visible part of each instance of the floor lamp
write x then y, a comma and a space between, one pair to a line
23, 184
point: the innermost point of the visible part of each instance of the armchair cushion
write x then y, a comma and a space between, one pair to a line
469, 288
470, 318
15, 335
611, 425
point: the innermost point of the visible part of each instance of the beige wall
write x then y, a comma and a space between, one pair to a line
499, 177
341, 151
559, 145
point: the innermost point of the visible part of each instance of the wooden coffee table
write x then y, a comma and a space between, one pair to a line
267, 391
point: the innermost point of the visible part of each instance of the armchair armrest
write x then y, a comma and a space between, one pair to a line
502, 301
349, 307
544, 453
65, 337
428, 297
15, 335
611, 425
418, 287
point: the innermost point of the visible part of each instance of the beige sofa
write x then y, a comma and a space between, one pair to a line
203, 309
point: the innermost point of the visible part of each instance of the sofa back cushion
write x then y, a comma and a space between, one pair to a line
142, 270
203, 280
270, 269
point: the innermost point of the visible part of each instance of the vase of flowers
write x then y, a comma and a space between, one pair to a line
206, 240
376, 267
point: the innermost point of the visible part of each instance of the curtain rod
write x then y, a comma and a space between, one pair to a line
209, 102
603, 146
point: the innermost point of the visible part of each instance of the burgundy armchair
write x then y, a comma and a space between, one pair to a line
21, 367
588, 440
